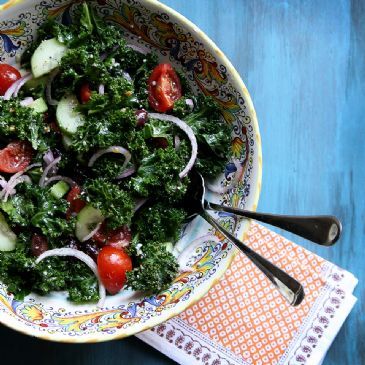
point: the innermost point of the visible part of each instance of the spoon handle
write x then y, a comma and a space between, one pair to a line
322, 229
291, 289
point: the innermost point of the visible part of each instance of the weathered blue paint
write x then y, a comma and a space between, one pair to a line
303, 62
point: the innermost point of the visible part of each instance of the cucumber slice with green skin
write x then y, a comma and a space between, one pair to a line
7, 236
86, 222
59, 189
47, 57
68, 118
39, 105
169, 247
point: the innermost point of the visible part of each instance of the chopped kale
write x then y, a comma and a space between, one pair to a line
156, 268
17, 265
113, 127
163, 222
23, 123
213, 136
108, 167
49, 275
118, 79
37, 207
115, 204
80, 282
158, 174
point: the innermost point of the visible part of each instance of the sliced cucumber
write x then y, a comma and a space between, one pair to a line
7, 236
169, 247
47, 57
59, 189
87, 220
39, 105
68, 118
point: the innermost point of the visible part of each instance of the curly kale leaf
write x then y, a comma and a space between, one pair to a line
25, 124
37, 207
154, 228
158, 174
156, 268
86, 25
115, 204
157, 128
108, 167
77, 65
212, 134
182, 108
118, 93
141, 76
159, 222
57, 273
19, 272
17, 265
19, 210
113, 127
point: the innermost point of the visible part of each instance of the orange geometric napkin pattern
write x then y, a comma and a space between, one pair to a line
244, 320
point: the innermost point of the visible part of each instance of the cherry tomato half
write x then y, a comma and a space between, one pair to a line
85, 93
164, 88
76, 203
15, 157
8, 75
113, 263
119, 238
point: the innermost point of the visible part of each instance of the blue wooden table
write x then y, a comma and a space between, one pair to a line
303, 62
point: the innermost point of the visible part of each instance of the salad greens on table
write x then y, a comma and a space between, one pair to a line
91, 176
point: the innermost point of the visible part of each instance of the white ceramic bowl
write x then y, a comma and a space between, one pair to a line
153, 26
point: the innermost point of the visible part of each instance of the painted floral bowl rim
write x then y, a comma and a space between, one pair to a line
156, 26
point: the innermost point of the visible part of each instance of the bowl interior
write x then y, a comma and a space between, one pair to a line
151, 26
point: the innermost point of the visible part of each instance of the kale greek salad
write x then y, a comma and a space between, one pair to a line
96, 143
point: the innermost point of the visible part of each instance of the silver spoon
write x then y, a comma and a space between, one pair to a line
291, 289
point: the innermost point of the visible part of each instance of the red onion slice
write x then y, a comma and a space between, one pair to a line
139, 203
101, 89
138, 49
3, 181
65, 252
43, 178
60, 178
10, 91
10, 187
17, 175
190, 103
236, 178
21, 82
189, 132
112, 149
177, 142
52, 76
4, 186
27, 101
128, 77
126, 173
48, 157
14, 89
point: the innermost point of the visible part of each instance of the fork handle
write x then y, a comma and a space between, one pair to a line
324, 230
291, 289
